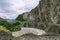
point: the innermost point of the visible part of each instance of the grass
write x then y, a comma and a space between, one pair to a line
4, 29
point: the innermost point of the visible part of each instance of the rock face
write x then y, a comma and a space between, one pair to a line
35, 37
5, 36
45, 16
25, 30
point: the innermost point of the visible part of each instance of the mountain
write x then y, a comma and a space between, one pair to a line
10, 20
46, 16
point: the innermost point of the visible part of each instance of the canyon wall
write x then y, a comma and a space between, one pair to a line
45, 16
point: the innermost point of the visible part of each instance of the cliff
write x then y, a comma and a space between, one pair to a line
45, 16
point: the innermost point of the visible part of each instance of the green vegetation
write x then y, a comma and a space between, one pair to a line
9, 26
16, 23
20, 18
4, 29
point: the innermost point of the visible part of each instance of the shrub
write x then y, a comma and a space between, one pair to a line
9, 26
20, 18
4, 29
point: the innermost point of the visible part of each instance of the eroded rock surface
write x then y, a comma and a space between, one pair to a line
5, 36
25, 30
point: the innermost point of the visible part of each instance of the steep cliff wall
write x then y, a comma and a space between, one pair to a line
46, 16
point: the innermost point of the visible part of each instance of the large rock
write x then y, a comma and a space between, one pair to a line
25, 30
5, 36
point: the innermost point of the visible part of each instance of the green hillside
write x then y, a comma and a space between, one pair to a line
9, 26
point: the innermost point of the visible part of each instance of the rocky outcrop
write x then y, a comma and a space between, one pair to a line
25, 30
35, 37
46, 16
5, 36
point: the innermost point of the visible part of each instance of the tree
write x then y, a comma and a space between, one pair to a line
20, 18
9, 26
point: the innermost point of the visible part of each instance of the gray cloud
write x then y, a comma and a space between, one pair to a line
10, 9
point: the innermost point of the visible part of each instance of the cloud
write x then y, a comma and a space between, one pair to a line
10, 9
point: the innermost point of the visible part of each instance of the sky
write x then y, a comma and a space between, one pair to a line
10, 9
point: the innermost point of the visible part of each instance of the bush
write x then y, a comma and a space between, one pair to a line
16, 28
16, 23
9, 26
4, 29
20, 18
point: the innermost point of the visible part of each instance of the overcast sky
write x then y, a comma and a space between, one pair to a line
10, 9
